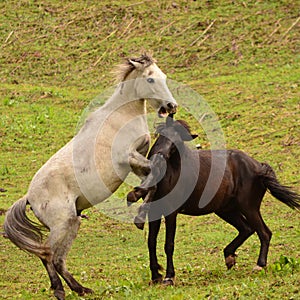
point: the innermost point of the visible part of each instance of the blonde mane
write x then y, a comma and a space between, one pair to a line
123, 70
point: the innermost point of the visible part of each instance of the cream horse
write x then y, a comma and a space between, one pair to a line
113, 141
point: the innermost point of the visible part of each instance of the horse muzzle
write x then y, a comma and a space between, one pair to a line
170, 108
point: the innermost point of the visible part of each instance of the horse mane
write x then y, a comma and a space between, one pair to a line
124, 69
177, 123
184, 124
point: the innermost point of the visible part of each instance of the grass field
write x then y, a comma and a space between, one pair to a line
241, 56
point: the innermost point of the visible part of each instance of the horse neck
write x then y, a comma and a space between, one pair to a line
179, 157
136, 107
123, 106
124, 99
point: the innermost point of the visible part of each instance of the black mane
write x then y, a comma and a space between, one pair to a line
177, 125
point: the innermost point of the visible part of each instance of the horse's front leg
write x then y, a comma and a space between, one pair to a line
154, 226
154, 168
60, 240
140, 219
139, 164
169, 248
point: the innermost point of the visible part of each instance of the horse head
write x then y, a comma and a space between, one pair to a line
172, 136
149, 83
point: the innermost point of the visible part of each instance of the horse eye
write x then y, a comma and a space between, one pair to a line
150, 80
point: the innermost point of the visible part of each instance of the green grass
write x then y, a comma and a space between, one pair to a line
241, 56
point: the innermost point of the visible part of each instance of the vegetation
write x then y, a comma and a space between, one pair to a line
241, 56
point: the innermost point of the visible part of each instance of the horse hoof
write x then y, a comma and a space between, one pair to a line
156, 281
168, 281
139, 223
230, 261
85, 291
131, 197
257, 268
59, 294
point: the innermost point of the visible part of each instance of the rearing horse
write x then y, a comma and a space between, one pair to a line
113, 141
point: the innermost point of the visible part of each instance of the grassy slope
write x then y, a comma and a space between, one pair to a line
241, 56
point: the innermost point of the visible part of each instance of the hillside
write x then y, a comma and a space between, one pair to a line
241, 57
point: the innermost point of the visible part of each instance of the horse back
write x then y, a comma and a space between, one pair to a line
234, 172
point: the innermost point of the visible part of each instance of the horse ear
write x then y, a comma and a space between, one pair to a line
186, 136
137, 65
169, 120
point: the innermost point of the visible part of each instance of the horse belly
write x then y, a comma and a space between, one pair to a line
222, 197
193, 208
96, 186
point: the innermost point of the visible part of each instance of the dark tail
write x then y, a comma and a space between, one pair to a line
281, 192
23, 232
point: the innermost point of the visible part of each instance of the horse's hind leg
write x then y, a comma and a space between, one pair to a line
60, 241
56, 283
236, 219
255, 220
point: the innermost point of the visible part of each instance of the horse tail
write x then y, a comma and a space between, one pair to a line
24, 233
281, 192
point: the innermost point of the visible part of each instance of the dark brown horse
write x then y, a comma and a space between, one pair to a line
178, 182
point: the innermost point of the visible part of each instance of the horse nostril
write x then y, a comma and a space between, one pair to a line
171, 105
